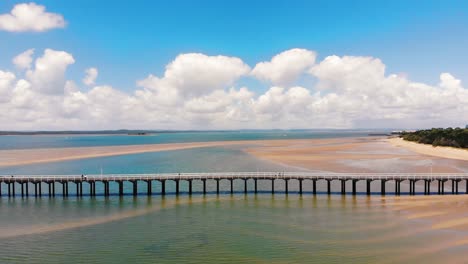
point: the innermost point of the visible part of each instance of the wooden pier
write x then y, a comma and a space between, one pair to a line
24, 183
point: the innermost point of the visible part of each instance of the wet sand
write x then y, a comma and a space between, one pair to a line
366, 154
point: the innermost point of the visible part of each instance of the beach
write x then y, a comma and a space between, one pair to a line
425, 149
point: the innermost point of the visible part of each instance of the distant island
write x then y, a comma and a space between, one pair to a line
450, 137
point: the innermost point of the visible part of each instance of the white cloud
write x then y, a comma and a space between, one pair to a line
48, 75
6, 85
286, 67
24, 60
198, 91
30, 17
195, 74
91, 75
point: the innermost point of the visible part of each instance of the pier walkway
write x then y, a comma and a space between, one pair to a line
23, 183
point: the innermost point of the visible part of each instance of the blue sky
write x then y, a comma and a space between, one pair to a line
127, 40
233, 64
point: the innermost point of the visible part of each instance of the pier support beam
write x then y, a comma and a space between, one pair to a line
329, 187
232, 185
217, 186
190, 187
286, 189
90, 188
314, 186
427, 187
204, 186
177, 187
163, 187
22, 189
121, 192
354, 186
453, 187
40, 189
456, 186
108, 188
368, 186
149, 187
382, 186
343, 187
245, 185
300, 186
412, 187
135, 188
272, 186
255, 183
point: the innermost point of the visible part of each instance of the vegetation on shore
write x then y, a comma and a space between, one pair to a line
451, 137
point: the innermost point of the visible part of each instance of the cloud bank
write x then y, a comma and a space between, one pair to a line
198, 91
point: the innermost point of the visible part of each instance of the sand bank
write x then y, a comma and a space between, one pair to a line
443, 152
32, 156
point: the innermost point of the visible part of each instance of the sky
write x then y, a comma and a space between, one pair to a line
232, 65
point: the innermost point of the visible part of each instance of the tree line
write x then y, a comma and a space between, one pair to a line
452, 137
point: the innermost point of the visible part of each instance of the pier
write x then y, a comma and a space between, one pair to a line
22, 185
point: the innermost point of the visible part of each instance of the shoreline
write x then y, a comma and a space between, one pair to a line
425, 149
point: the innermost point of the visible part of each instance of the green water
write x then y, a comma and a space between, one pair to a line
211, 229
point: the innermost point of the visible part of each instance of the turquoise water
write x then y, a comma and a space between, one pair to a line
57, 141
238, 228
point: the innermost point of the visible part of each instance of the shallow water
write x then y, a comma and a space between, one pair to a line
213, 229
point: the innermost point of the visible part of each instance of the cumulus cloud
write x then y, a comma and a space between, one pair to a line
23, 60
195, 74
30, 17
90, 77
6, 84
48, 75
286, 67
198, 91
